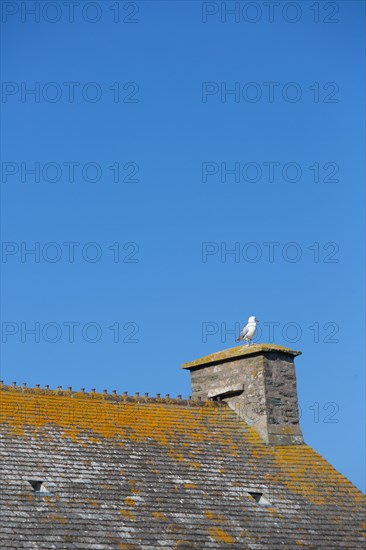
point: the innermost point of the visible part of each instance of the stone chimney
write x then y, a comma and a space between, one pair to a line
259, 383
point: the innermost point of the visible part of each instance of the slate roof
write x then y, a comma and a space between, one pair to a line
126, 473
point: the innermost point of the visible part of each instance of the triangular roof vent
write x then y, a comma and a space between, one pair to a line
260, 499
39, 487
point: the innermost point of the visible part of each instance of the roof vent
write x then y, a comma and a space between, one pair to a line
260, 499
39, 487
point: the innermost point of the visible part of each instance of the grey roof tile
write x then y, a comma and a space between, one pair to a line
129, 473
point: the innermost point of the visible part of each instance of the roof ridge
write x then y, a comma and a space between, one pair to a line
105, 396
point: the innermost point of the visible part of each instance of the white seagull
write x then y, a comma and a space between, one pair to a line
248, 332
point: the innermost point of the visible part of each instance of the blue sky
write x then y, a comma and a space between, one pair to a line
136, 119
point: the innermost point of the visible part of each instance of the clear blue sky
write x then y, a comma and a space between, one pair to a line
132, 133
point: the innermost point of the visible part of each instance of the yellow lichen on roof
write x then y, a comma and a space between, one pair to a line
128, 514
159, 515
220, 535
311, 476
303, 471
218, 518
57, 518
196, 437
135, 421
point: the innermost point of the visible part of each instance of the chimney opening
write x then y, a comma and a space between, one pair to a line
260, 499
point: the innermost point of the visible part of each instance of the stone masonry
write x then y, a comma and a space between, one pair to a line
259, 383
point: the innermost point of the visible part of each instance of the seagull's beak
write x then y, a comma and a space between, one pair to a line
257, 321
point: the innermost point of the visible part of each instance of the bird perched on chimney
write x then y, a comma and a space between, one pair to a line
248, 332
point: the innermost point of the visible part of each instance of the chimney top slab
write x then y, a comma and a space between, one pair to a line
239, 351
